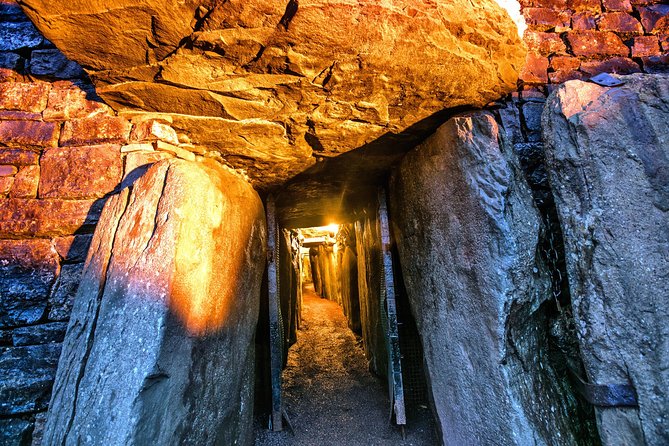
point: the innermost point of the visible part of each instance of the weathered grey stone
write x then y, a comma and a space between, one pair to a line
10, 60
50, 333
608, 157
467, 234
159, 349
27, 374
27, 271
18, 35
60, 301
15, 432
38, 429
53, 63
272, 85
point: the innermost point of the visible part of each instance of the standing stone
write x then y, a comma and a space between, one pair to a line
159, 349
467, 234
608, 157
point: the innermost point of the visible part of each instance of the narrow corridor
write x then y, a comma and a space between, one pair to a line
330, 396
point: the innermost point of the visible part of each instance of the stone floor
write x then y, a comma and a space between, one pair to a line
330, 396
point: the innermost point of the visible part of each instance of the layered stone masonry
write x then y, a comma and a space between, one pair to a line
578, 39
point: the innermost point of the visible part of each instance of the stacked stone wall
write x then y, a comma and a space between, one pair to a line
578, 39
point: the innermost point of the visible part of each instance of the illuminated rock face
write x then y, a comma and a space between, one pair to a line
271, 85
159, 349
608, 163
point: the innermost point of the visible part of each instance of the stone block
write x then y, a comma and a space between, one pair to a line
10, 60
185, 367
27, 375
53, 63
137, 147
69, 101
645, 46
545, 44
7, 170
26, 182
53, 332
596, 43
174, 150
607, 157
656, 64
545, 19
95, 130
585, 5
28, 269
467, 234
29, 133
650, 15
617, 65
564, 68
154, 130
619, 22
535, 69
22, 96
18, 157
38, 430
73, 248
617, 5
532, 117
80, 172
18, 35
45, 218
60, 302
136, 163
15, 432
6, 184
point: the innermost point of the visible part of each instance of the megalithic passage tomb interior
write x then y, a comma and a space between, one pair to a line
334, 222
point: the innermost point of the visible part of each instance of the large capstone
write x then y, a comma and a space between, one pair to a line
159, 349
608, 156
271, 85
467, 234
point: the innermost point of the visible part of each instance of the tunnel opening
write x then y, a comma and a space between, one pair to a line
337, 376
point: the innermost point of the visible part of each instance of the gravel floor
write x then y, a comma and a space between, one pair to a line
329, 394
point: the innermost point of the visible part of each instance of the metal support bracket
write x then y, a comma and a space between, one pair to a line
605, 395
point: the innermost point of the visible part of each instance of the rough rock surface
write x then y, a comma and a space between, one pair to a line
467, 234
159, 349
608, 153
271, 85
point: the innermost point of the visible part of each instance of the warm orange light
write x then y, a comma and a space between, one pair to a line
333, 228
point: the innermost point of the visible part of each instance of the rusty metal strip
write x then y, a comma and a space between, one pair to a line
395, 383
605, 395
275, 323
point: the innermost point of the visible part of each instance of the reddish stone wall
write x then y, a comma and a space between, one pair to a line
577, 39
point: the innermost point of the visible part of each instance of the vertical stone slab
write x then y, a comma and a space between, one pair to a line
467, 234
159, 349
608, 155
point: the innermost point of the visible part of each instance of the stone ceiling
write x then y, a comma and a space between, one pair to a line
271, 87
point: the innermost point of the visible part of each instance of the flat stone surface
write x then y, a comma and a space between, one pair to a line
53, 332
18, 35
18, 157
282, 83
95, 130
23, 96
69, 101
174, 274
26, 182
80, 172
467, 234
608, 159
73, 248
60, 301
27, 271
53, 63
27, 375
45, 218
24, 134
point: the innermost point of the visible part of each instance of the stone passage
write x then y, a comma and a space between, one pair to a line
330, 394
159, 349
611, 185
